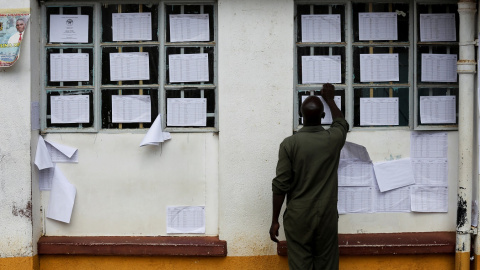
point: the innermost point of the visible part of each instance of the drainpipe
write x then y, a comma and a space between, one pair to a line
466, 76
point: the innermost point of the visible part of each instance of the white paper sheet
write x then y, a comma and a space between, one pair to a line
429, 199
43, 159
70, 109
379, 111
429, 171
69, 67
355, 200
186, 112
438, 109
188, 67
438, 27
377, 25
132, 26
397, 200
186, 219
35, 115
69, 28
381, 67
321, 28
428, 145
45, 178
439, 67
355, 173
353, 151
131, 109
155, 134
321, 69
328, 113
129, 66
394, 174
189, 27
60, 153
62, 198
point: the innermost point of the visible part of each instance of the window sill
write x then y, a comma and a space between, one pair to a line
132, 246
391, 244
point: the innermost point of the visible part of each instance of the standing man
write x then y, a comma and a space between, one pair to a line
17, 37
307, 176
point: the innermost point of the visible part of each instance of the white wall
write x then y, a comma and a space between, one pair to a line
15, 184
256, 109
124, 189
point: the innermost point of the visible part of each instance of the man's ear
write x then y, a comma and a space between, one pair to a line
323, 114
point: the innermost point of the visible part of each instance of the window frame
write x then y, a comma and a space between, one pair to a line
349, 86
97, 47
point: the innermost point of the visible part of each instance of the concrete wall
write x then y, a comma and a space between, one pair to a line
15, 135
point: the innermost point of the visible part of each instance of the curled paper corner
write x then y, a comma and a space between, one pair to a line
155, 134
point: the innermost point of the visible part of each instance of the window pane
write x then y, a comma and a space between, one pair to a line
107, 107
310, 51
401, 93
109, 9
402, 60
69, 93
320, 10
191, 50
64, 66
189, 9
438, 92
209, 94
152, 58
338, 92
402, 11
81, 10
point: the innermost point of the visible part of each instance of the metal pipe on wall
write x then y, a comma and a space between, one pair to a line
466, 70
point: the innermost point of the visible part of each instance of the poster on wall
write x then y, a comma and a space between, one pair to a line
13, 23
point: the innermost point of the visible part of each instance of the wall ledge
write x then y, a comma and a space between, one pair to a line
133, 246
391, 244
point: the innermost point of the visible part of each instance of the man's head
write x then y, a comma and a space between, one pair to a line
312, 111
20, 25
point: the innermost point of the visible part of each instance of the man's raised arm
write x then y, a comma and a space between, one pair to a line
328, 93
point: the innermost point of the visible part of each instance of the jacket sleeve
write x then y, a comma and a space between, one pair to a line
282, 182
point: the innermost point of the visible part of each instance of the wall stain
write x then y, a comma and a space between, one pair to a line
23, 212
461, 212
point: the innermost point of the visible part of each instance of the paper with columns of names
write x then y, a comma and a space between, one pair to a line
188, 67
429, 199
155, 134
438, 27
355, 200
62, 198
321, 69
189, 27
129, 66
430, 171
132, 26
68, 28
438, 109
49, 153
186, 112
185, 219
428, 145
397, 200
353, 151
321, 28
379, 111
381, 67
355, 173
131, 109
394, 174
69, 67
439, 67
70, 109
377, 26
328, 113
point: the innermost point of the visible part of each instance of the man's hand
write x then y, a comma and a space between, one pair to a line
274, 231
328, 91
